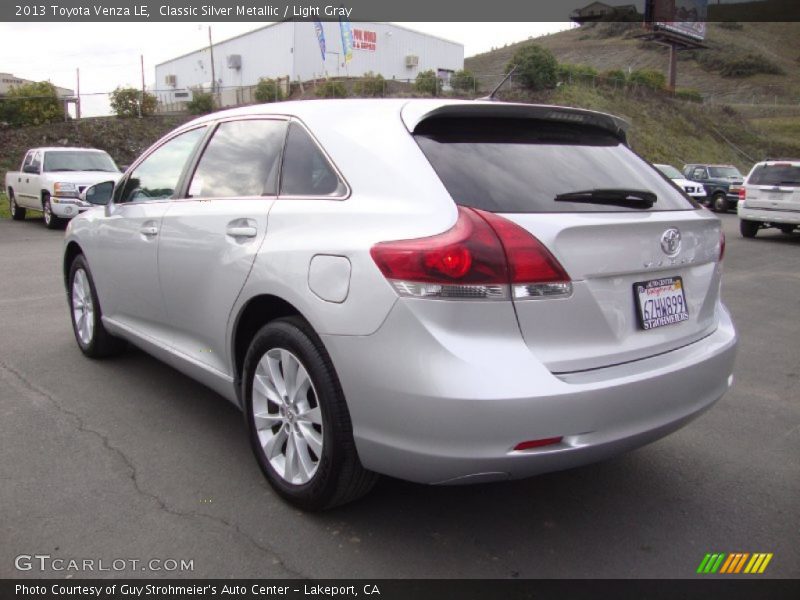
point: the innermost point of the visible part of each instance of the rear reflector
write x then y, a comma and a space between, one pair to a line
538, 443
483, 256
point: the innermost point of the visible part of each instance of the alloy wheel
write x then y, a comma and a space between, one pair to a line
82, 307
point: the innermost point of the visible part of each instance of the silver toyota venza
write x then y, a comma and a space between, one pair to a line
442, 291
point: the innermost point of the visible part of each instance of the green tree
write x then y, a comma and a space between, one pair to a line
464, 81
537, 68
201, 103
32, 103
331, 89
427, 83
130, 102
370, 85
268, 90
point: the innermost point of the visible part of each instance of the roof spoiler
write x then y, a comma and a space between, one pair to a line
415, 113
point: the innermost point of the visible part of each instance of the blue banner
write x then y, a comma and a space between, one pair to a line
320, 37
347, 39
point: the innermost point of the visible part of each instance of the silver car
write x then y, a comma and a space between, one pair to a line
446, 292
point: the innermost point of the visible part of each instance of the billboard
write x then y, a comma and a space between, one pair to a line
684, 19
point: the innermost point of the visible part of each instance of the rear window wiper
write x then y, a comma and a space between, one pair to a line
616, 197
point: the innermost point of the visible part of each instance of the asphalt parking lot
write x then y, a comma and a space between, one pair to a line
128, 459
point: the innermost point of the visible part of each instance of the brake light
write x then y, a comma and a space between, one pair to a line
483, 256
742, 193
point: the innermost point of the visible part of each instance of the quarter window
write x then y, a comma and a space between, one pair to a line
242, 159
158, 175
306, 171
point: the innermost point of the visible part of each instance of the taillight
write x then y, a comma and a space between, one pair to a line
742, 193
483, 256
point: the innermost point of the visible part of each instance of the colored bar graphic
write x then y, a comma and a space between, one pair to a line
734, 562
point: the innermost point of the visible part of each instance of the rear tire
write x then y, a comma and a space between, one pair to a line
17, 213
787, 229
719, 202
86, 315
51, 221
749, 229
299, 425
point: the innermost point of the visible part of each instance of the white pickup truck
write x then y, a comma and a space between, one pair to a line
50, 180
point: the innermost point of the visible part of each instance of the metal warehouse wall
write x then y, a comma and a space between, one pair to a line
392, 45
291, 48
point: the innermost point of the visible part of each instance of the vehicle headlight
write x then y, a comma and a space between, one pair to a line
65, 189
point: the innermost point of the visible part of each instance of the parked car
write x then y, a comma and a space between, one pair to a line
721, 182
442, 291
694, 189
51, 179
770, 197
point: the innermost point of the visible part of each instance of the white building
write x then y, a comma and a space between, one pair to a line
291, 49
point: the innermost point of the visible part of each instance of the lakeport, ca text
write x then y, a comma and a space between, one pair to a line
144, 590
170, 10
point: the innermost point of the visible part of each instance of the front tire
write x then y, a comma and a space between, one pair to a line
298, 421
17, 213
719, 202
51, 221
86, 315
748, 229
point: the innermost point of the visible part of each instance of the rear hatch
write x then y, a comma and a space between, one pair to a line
641, 255
774, 186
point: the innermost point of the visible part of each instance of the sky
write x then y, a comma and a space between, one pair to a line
108, 54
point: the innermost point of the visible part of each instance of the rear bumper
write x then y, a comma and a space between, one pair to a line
768, 216
437, 407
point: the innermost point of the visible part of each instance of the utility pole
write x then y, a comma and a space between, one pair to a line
673, 67
78, 90
213, 73
141, 104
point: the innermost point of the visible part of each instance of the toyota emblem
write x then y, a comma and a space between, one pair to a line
671, 241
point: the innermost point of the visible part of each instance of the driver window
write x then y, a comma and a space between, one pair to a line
157, 176
699, 174
36, 162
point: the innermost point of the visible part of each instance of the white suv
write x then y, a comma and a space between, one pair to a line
770, 197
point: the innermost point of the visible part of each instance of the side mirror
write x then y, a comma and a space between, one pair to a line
99, 193
31, 169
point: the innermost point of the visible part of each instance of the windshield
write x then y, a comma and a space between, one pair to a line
79, 161
509, 165
669, 171
775, 175
724, 172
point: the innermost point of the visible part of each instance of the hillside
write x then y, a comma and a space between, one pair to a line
607, 46
123, 139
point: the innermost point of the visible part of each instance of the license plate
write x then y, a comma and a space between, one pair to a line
660, 302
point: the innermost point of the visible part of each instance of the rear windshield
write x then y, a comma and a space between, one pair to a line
775, 175
731, 172
521, 165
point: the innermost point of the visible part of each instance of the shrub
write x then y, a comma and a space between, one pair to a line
464, 81
427, 83
536, 67
130, 102
370, 85
201, 103
331, 89
615, 76
31, 104
268, 90
576, 73
689, 94
650, 78
750, 64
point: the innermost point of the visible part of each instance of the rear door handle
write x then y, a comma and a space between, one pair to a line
241, 231
149, 230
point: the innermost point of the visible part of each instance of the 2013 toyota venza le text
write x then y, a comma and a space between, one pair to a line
442, 291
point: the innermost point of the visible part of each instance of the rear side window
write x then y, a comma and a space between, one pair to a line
242, 159
521, 165
782, 174
306, 171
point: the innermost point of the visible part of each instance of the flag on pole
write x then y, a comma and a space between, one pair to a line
347, 39
320, 37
